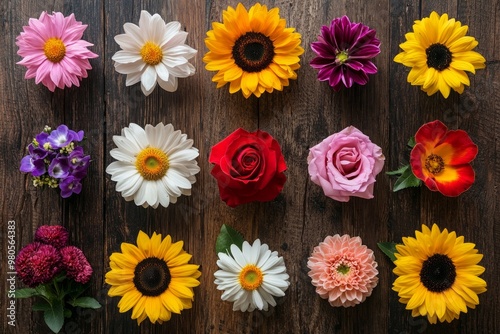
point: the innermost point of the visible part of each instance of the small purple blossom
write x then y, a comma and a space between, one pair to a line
55, 159
59, 167
78, 160
54, 235
69, 186
37, 263
76, 264
344, 51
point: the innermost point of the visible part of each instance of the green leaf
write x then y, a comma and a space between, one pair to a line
411, 142
46, 292
406, 180
389, 248
399, 171
41, 305
85, 302
77, 289
54, 317
67, 313
226, 238
26, 293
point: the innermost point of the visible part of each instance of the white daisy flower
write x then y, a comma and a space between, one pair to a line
155, 165
153, 52
251, 277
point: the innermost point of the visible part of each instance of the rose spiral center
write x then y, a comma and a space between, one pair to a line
253, 52
438, 56
438, 273
152, 276
54, 49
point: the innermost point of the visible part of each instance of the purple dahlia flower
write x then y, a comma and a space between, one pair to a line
344, 52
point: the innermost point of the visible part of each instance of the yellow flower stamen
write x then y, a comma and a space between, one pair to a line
152, 163
151, 53
342, 56
54, 49
250, 277
434, 164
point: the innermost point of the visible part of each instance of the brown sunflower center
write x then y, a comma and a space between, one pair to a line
253, 52
438, 273
434, 164
54, 49
151, 276
438, 56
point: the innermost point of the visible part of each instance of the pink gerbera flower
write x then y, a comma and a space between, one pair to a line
53, 51
343, 270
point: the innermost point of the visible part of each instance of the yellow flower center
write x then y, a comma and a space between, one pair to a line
250, 277
151, 53
434, 164
54, 49
342, 56
152, 163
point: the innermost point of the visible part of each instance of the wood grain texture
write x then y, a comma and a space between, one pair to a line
387, 109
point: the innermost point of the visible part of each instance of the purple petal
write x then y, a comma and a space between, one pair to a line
59, 168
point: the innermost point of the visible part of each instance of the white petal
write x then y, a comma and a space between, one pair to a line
171, 29
162, 72
151, 192
145, 19
257, 299
184, 155
163, 196
178, 39
138, 134
133, 78
121, 155
135, 67
172, 189
129, 147
127, 42
170, 85
155, 30
238, 255
140, 195
134, 32
134, 185
184, 51
177, 179
126, 57
148, 78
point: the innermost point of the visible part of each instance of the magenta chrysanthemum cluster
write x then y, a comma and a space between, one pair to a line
344, 51
55, 160
40, 261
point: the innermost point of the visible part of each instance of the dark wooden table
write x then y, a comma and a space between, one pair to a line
388, 109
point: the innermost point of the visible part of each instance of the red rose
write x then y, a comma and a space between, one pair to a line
248, 167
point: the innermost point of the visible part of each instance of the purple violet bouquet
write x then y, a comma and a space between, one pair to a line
56, 160
57, 273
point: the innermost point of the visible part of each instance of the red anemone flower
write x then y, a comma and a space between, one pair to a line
441, 158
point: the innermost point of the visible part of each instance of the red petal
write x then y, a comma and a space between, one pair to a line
218, 150
456, 148
417, 162
430, 134
454, 180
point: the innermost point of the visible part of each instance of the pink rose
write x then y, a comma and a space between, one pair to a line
345, 164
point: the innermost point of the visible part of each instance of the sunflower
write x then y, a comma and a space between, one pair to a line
438, 274
439, 52
253, 51
153, 278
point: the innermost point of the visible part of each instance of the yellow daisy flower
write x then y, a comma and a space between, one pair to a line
439, 53
253, 51
153, 278
438, 274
